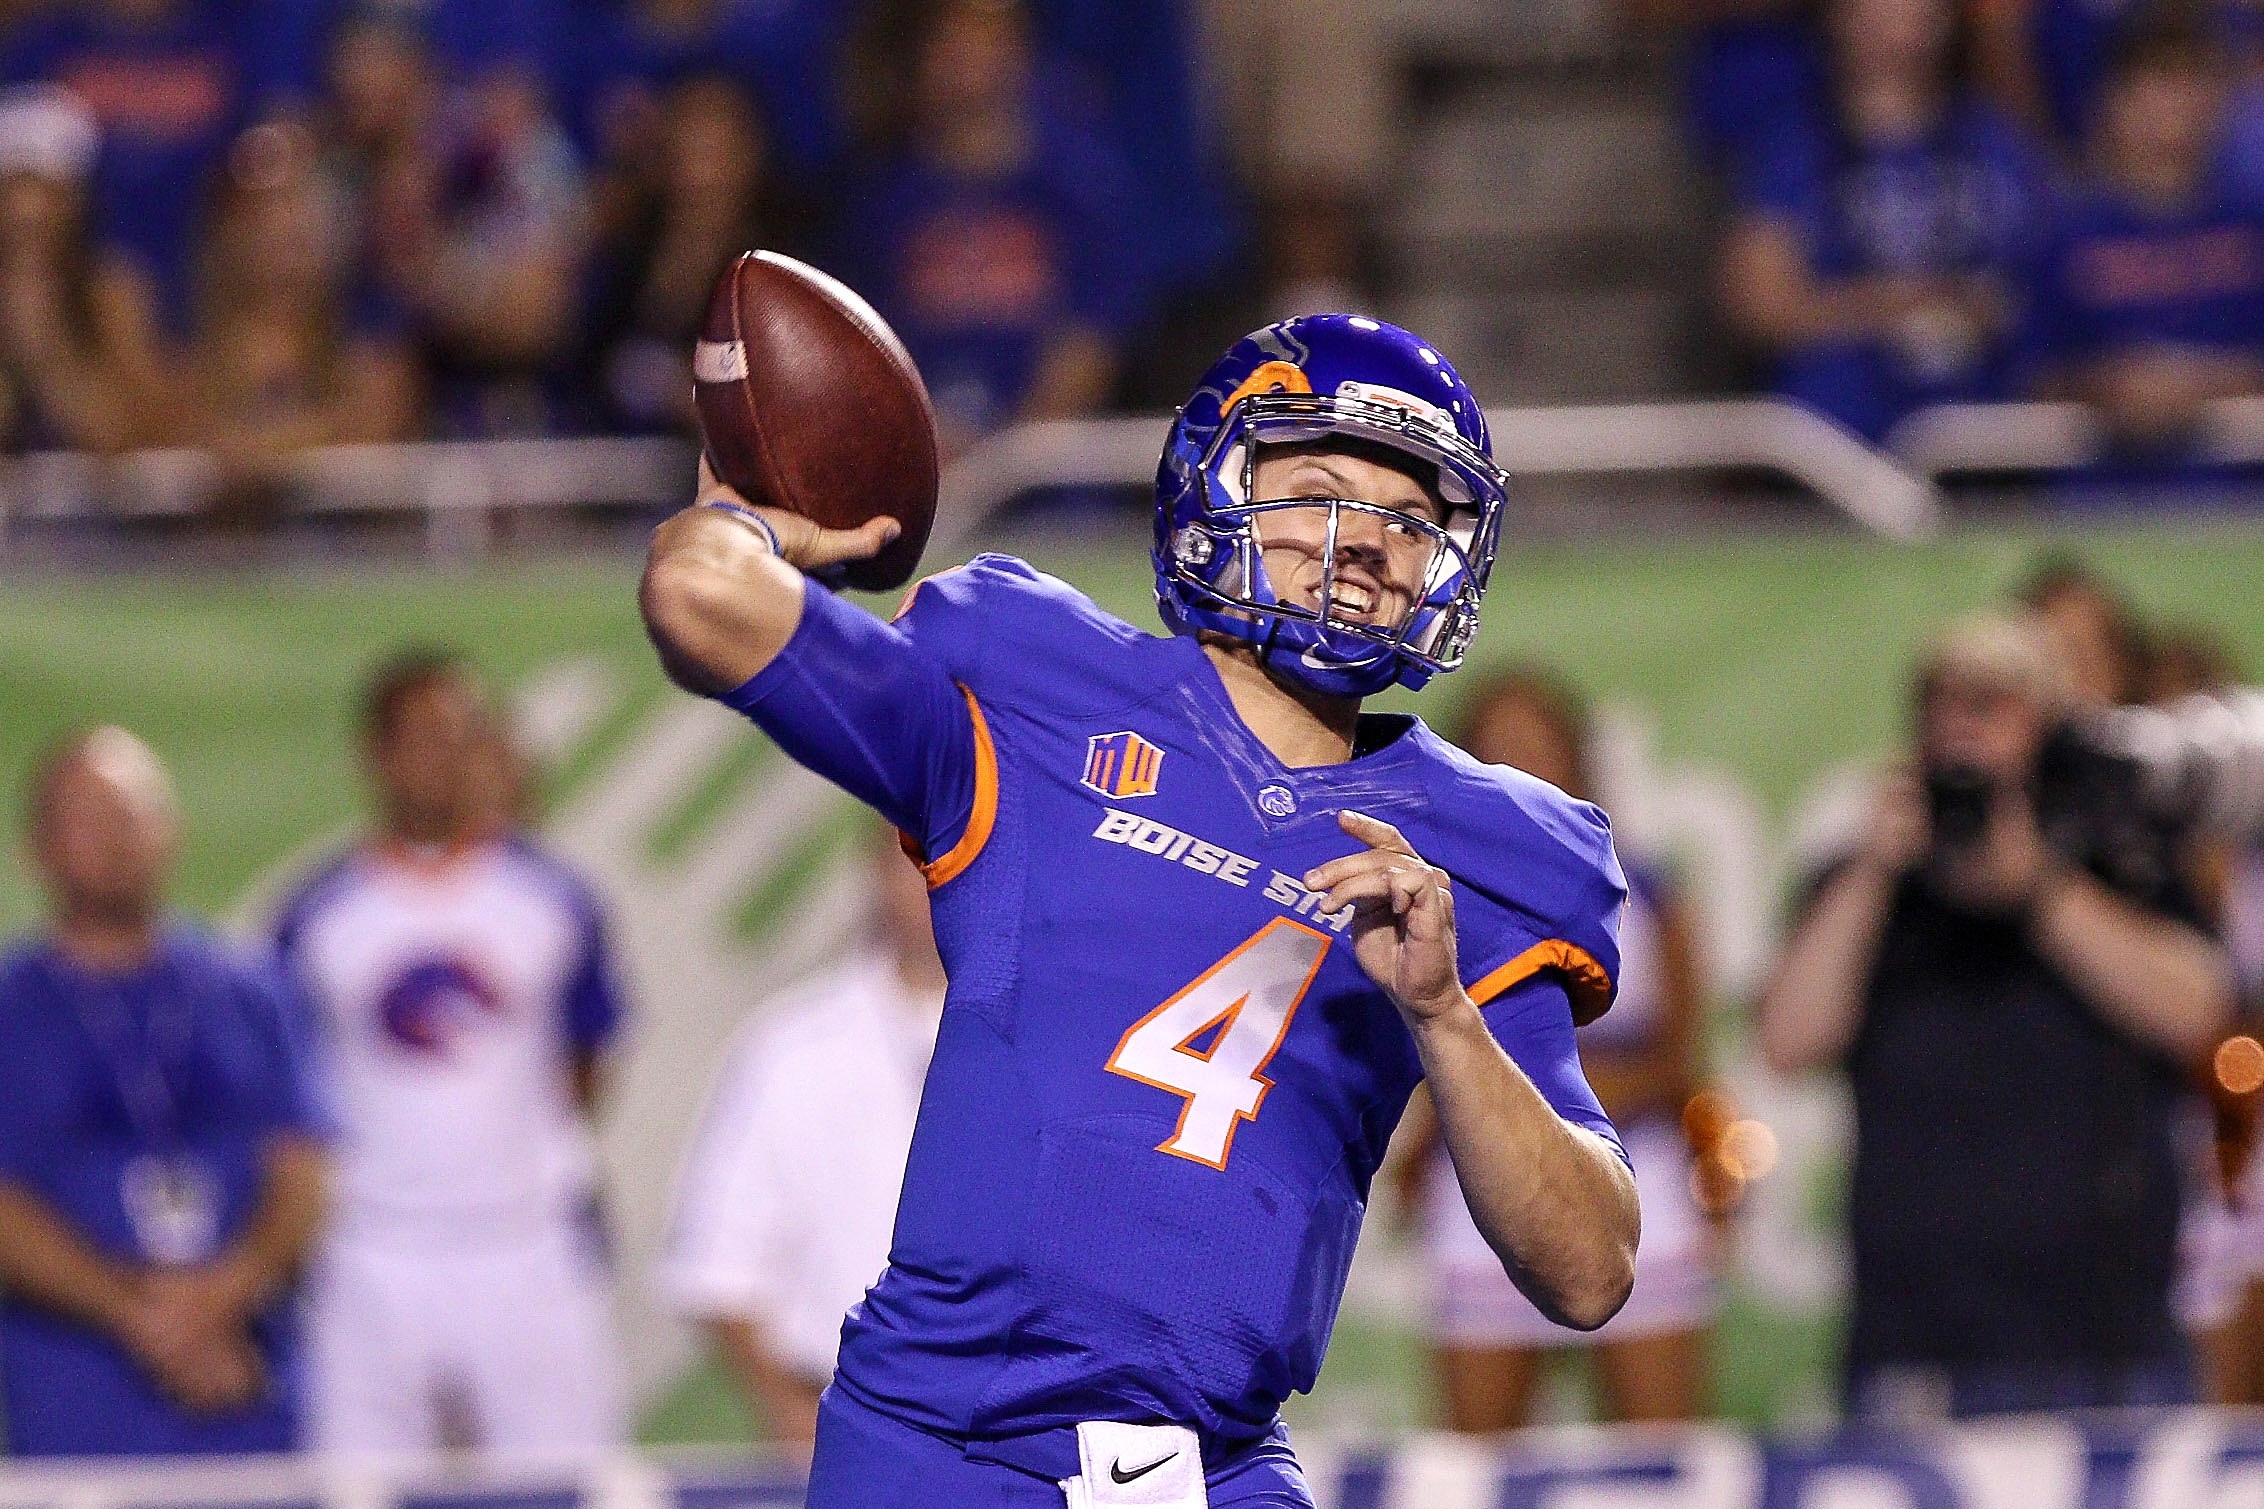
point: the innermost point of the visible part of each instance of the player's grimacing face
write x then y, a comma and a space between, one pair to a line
1381, 565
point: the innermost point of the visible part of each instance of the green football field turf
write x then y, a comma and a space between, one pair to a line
1769, 656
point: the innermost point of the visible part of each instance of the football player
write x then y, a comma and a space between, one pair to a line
1206, 925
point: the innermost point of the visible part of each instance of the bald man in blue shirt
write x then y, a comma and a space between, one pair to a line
160, 1175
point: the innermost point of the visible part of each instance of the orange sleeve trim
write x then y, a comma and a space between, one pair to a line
946, 869
1588, 983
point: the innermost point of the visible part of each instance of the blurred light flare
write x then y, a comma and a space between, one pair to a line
1728, 1151
2239, 1065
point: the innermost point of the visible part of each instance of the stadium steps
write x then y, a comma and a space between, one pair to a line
1548, 226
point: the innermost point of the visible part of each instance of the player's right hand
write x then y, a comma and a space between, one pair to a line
802, 543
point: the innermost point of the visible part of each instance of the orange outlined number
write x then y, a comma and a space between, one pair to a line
1212, 1041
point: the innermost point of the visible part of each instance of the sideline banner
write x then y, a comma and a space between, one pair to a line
2183, 1460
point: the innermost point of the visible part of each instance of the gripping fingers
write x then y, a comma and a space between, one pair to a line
832, 547
802, 543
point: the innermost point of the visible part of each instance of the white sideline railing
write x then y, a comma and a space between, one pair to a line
458, 486
1767, 433
2049, 437
1583, 440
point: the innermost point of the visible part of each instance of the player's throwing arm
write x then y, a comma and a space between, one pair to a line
722, 591
819, 456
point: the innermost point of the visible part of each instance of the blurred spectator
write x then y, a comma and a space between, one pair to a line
287, 354
170, 83
482, 235
2239, 28
2220, 1287
1748, 67
1317, 159
1872, 246
997, 236
2043, 61
160, 1176
79, 365
1139, 59
465, 996
1642, 1057
666, 228
2181, 662
2233, 1349
375, 127
2094, 636
2013, 987
789, 1196
470, 39
785, 53
2149, 294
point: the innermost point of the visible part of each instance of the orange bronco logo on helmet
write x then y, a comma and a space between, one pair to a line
1271, 377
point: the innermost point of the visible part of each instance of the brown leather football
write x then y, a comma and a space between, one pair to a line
809, 402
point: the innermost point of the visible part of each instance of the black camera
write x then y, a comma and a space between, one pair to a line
2091, 808
1958, 800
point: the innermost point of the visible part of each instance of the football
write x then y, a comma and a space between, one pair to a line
809, 402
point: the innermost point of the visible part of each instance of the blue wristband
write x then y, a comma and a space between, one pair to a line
751, 517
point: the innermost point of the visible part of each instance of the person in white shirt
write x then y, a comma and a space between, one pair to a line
788, 1198
462, 997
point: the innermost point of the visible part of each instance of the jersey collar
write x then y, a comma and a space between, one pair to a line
1382, 776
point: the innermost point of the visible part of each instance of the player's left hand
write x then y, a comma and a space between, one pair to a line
1402, 919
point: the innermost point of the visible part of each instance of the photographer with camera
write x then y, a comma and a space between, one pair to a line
2009, 971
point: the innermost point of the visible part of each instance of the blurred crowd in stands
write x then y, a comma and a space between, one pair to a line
1946, 200
259, 226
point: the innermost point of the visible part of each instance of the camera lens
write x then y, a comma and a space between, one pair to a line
1958, 798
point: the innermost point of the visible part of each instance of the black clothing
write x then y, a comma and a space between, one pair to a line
2016, 1186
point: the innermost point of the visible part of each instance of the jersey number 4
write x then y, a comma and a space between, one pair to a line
1211, 1042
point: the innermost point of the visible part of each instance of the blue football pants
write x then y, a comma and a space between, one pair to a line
868, 1460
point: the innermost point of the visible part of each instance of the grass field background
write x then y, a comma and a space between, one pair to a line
1769, 656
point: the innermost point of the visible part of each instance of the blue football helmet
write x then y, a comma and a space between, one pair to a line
1311, 379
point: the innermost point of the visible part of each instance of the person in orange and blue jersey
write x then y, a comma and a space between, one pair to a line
1206, 924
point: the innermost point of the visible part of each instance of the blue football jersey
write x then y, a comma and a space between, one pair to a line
1163, 1083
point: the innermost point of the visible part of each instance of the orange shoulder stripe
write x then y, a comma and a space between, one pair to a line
943, 870
912, 593
1588, 983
